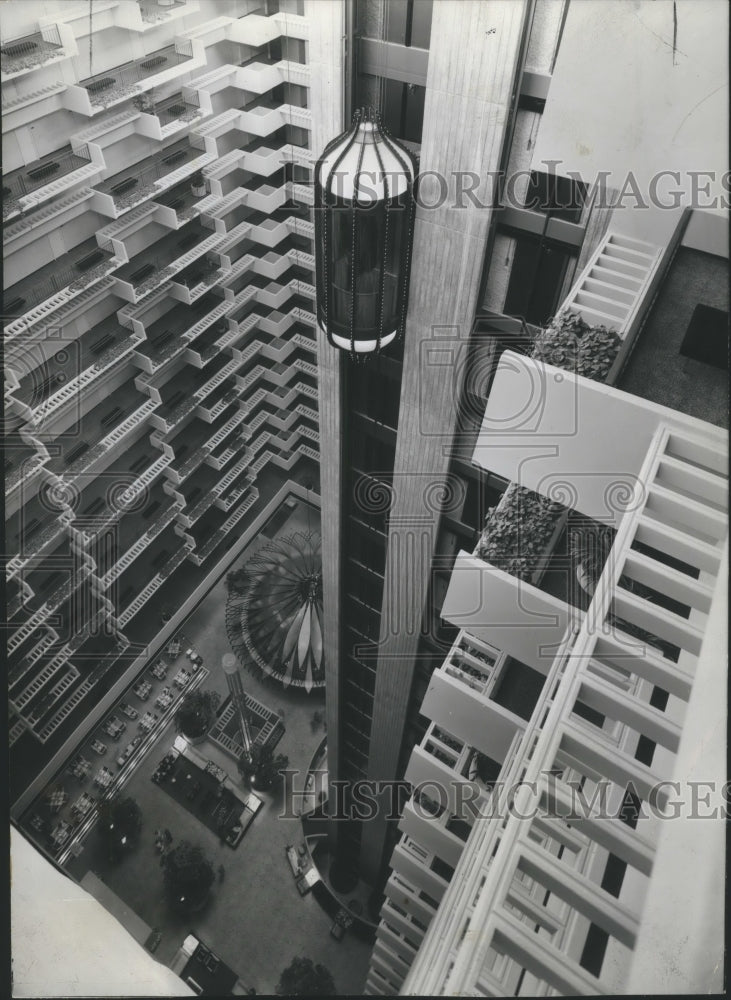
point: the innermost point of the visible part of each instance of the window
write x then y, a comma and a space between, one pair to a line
360, 676
558, 197
409, 22
536, 278
403, 114
365, 620
370, 395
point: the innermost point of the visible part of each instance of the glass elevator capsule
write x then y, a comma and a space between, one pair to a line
364, 223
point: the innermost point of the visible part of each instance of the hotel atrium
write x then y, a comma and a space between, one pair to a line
366, 546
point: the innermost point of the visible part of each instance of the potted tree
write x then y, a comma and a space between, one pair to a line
196, 714
237, 581
590, 546
119, 822
198, 184
305, 978
262, 769
187, 877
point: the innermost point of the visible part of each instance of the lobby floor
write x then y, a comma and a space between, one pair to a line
255, 919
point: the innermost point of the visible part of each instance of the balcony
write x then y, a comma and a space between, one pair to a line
135, 470
261, 155
141, 182
177, 401
262, 116
219, 401
22, 463
164, 341
100, 507
158, 262
218, 376
160, 561
266, 155
274, 263
92, 654
276, 322
18, 593
199, 493
235, 285
473, 664
31, 697
118, 84
153, 12
259, 75
235, 483
31, 530
205, 532
46, 178
153, 561
181, 200
267, 194
22, 55
230, 446
72, 369
187, 457
25, 655
267, 230
178, 319
224, 426
134, 532
176, 113
103, 426
72, 272
58, 568
208, 344
195, 280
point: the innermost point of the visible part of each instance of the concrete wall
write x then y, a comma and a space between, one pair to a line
684, 910
466, 114
325, 57
652, 97
508, 613
53, 922
579, 442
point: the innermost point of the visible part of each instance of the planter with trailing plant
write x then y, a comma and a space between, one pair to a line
198, 184
590, 544
144, 103
521, 532
570, 342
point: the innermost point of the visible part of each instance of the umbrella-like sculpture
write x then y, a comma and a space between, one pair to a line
279, 613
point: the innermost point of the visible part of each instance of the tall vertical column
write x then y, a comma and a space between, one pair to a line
326, 60
474, 60
238, 698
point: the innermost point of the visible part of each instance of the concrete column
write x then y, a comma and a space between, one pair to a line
238, 697
326, 63
473, 63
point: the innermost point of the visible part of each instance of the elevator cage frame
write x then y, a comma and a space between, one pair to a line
365, 201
